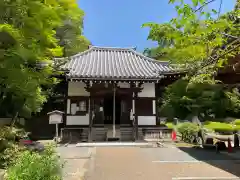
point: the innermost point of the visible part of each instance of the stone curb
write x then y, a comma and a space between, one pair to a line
107, 144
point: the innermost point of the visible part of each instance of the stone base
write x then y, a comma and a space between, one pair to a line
113, 139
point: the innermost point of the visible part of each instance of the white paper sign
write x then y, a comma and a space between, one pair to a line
73, 108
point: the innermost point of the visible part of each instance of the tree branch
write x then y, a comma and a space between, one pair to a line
206, 3
220, 7
213, 60
229, 35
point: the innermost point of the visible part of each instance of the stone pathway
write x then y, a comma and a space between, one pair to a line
75, 160
1, 174
134, 163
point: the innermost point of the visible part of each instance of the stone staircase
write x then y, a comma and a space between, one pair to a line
99, 134
74, 135
126, 133
110, 136
84, 135
140, 134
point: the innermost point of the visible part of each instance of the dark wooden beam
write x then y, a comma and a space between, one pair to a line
90, 120
135, 116
156, 103
66, 104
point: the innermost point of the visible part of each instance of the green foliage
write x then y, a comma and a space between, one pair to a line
11, 133
32, 33
192, 98
220, 126
237, 122
10, 154
169, 125
9, 148
188, 131
194, 34
35, 166
174, 100
70, 32
195, 39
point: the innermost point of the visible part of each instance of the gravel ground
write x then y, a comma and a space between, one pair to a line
134, 163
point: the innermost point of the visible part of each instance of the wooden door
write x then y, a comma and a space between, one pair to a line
126, 106
97, 109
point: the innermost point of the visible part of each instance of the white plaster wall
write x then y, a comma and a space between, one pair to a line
124, 85
148, 90
77, 89
77, 120
146, 120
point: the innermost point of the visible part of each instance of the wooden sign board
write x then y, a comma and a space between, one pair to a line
55, 119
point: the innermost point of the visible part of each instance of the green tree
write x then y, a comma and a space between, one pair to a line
201, 40
70, 33
28, 45
185, 99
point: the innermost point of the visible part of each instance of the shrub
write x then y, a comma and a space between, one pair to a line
35, 166
169, 125
11, 133
9, 148
219, 126
188, 131
237, 122
9, 155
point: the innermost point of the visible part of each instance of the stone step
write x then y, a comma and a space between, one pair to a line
99, 134
126, 134
74, 135
110, 133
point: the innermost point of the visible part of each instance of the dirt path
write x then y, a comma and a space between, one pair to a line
132, 163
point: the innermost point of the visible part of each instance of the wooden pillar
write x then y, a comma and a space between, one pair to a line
88, 86
114, 111
90, 119
66, 103
157, 96
135, 116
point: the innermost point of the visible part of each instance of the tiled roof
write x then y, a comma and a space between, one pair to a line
115, 63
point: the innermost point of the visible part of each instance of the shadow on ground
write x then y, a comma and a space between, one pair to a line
218, 160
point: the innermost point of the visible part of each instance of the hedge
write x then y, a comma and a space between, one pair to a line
220, 126
237, 122
215, 126
169, 125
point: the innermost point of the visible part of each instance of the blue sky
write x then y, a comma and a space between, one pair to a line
117, 23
